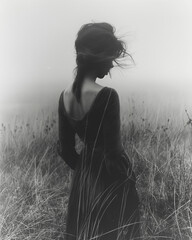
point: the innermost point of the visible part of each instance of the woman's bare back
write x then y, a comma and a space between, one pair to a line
78, 110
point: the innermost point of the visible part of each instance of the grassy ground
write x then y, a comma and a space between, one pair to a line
35, 182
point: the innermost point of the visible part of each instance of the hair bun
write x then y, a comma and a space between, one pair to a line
97, 42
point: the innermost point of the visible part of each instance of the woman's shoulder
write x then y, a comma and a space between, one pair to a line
113, 94
113, 91
106, 94
109, 99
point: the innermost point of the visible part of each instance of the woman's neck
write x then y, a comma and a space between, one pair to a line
90, 77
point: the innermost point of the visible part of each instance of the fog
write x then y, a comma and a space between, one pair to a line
38, 57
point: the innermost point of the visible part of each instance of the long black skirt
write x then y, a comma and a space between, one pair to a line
101, 206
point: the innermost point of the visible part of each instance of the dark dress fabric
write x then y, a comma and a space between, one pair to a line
103, 202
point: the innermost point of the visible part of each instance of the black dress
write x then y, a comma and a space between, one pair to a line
103, 202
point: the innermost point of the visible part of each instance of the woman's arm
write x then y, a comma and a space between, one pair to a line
66, 143
116, 162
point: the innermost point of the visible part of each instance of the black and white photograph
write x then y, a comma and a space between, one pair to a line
95, 120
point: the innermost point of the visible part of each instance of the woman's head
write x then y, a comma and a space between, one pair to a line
97, 44
96, 48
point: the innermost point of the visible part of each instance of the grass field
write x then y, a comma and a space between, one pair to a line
35, 182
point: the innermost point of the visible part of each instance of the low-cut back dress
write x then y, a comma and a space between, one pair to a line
103, 202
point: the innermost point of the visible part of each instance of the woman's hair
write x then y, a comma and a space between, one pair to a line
95, 44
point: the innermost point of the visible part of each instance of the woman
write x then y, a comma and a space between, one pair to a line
103, 202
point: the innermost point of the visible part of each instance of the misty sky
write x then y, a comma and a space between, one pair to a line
37, 45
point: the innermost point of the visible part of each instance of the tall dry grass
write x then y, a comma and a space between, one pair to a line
35, 182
